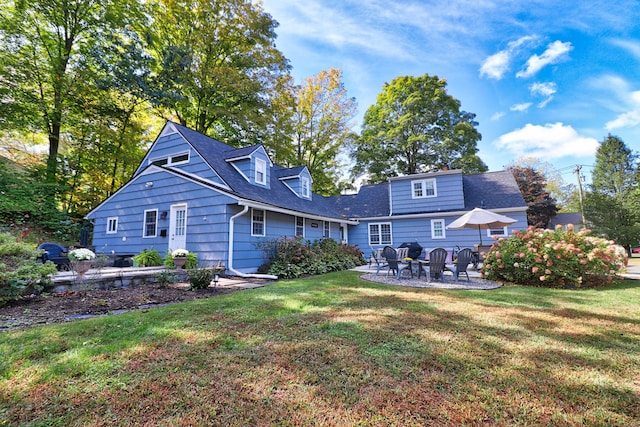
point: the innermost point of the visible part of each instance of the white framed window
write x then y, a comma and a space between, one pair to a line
257, 222
150, 223
437, 229
326, 229
112, 225
299, 226
305, 186
500, 232
380, 233
261, 172
173, 159
423, 188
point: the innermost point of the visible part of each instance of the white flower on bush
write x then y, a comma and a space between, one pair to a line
179, 253
82, 254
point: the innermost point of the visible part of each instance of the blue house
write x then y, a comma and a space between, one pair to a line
197, 193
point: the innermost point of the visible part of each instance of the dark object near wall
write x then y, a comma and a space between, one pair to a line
55, 253
414, 249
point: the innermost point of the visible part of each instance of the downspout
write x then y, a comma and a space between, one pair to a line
232, 221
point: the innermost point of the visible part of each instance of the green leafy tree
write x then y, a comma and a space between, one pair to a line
322, 128
217, 66
533, 184
44, 43
415, 126
616, 168
612, 207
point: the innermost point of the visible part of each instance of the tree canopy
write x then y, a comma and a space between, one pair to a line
612, 207
415, 126
533, 186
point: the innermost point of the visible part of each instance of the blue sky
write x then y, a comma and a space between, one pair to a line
546, 79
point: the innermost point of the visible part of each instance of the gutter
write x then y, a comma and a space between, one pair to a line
230, 260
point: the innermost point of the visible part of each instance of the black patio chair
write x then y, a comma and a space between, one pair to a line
463, 258
437, 264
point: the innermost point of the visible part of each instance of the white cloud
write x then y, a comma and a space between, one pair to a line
544, 103
555, 52
630, 46
630, 118
551, 141
543, 89
521, 107
498, 115
496, 65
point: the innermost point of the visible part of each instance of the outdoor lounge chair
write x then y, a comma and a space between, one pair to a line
461, 263
376, 257
392, 263
56, 253
437, 264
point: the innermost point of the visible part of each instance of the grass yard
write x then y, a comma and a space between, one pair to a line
335, 350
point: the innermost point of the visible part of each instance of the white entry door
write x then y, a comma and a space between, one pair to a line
178, 227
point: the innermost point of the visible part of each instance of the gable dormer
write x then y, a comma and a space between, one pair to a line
426, 192
252, 163
298, 180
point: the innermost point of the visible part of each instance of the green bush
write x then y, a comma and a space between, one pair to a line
20, 273
294, 257
166, 278
148, 258
192, 261
200, 278
557, 259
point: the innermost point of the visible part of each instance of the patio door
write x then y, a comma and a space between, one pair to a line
178, 227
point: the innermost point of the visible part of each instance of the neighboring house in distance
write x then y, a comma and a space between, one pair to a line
564, 219
197, 193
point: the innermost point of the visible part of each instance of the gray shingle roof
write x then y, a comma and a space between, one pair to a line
491, 190
215, 154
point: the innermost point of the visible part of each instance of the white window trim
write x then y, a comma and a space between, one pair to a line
264, 222
169, 158
144, 224
380, 242
444, 232
295, 230
112, 220
326, 229
305, 184
423, 186
505, 232
261, 166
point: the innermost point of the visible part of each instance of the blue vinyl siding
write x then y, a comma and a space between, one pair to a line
295, 183
449, 195
207, 218
169, 145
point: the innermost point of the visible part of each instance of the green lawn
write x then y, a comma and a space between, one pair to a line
335, 350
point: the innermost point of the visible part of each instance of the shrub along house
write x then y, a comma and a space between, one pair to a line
197, 193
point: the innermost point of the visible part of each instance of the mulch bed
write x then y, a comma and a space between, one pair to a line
34, 310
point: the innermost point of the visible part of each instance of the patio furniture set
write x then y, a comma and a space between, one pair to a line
434, 265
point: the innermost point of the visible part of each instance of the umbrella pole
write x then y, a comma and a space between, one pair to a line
480, 233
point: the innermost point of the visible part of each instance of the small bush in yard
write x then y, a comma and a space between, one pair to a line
295, 257
20, 273
148, 258
200, 278
557, 259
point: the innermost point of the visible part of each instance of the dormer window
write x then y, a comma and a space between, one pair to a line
261, 172
305, 187
423, 188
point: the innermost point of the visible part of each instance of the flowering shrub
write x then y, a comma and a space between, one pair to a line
294, 257
81, 254
550, 258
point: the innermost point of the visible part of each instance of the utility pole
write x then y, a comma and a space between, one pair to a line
577, 171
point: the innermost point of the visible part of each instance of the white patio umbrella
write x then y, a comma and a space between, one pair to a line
482, 220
